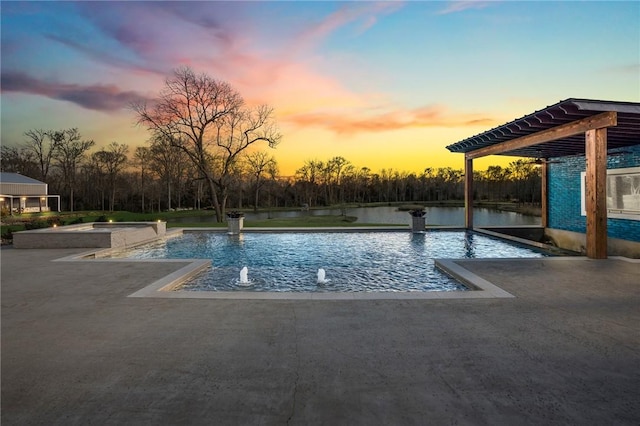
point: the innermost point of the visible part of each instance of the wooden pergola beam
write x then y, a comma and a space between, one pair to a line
468, 193
599, 121
596, 193
544, 196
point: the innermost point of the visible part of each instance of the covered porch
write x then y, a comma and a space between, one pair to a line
573, 127
28, 203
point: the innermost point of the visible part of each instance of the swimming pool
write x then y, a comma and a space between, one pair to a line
351, 261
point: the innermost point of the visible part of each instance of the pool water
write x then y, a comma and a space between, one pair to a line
352, 261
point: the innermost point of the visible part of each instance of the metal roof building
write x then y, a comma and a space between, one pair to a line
19, 193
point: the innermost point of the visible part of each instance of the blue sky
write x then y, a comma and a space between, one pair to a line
383, 84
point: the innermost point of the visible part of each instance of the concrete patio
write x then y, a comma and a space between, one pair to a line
76, 350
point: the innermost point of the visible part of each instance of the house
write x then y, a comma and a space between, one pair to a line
589, 152
22, 194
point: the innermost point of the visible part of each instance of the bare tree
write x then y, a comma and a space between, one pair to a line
42, 145
363, 177
18, 160
68, 153
169, 163
525, 176
141, 158
93, 175
498, 176
206, 118
309, 175
260, 165
112, 160
336, 168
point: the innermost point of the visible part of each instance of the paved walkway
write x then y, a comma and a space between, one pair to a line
76, 350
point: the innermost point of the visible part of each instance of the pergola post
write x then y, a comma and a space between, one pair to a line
596, 195
544, 196
468, 193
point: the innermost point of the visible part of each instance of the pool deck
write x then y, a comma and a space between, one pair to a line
77, 350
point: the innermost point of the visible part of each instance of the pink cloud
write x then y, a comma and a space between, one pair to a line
366, 12
428, 116
153, 36
286, 80
209, 37
459, 6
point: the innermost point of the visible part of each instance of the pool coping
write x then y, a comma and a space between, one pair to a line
479, 288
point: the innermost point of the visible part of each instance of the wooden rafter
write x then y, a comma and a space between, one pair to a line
599, 121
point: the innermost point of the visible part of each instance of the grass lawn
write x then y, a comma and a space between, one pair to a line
42, 220
21, 222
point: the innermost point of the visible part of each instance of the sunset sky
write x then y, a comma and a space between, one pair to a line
383, 84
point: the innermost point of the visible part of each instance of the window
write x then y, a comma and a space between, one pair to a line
623, 193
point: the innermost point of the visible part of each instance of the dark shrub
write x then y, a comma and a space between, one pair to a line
54, 221
35, 225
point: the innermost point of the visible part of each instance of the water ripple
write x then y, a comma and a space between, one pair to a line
354, 262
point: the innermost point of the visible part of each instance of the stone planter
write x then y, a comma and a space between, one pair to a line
417, 224
418, 220
234, 225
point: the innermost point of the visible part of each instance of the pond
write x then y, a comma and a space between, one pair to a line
443, 216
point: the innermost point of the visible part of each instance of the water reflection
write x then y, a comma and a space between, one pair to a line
468, 245
236, 239
442, 216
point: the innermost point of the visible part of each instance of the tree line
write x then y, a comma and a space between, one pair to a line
160, 177
204, 152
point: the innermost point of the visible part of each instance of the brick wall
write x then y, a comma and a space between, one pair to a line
564, 195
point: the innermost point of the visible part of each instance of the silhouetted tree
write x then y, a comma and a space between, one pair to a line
141, 158
170, 164
207, 119
69, 151
260, 166
18, 160
42, 145
112, 160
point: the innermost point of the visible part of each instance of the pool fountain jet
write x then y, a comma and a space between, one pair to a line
321, 277
244, 272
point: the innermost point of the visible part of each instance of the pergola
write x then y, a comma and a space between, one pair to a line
570, 127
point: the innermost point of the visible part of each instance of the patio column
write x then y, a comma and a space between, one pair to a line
544, 200
596, 193
468, 193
